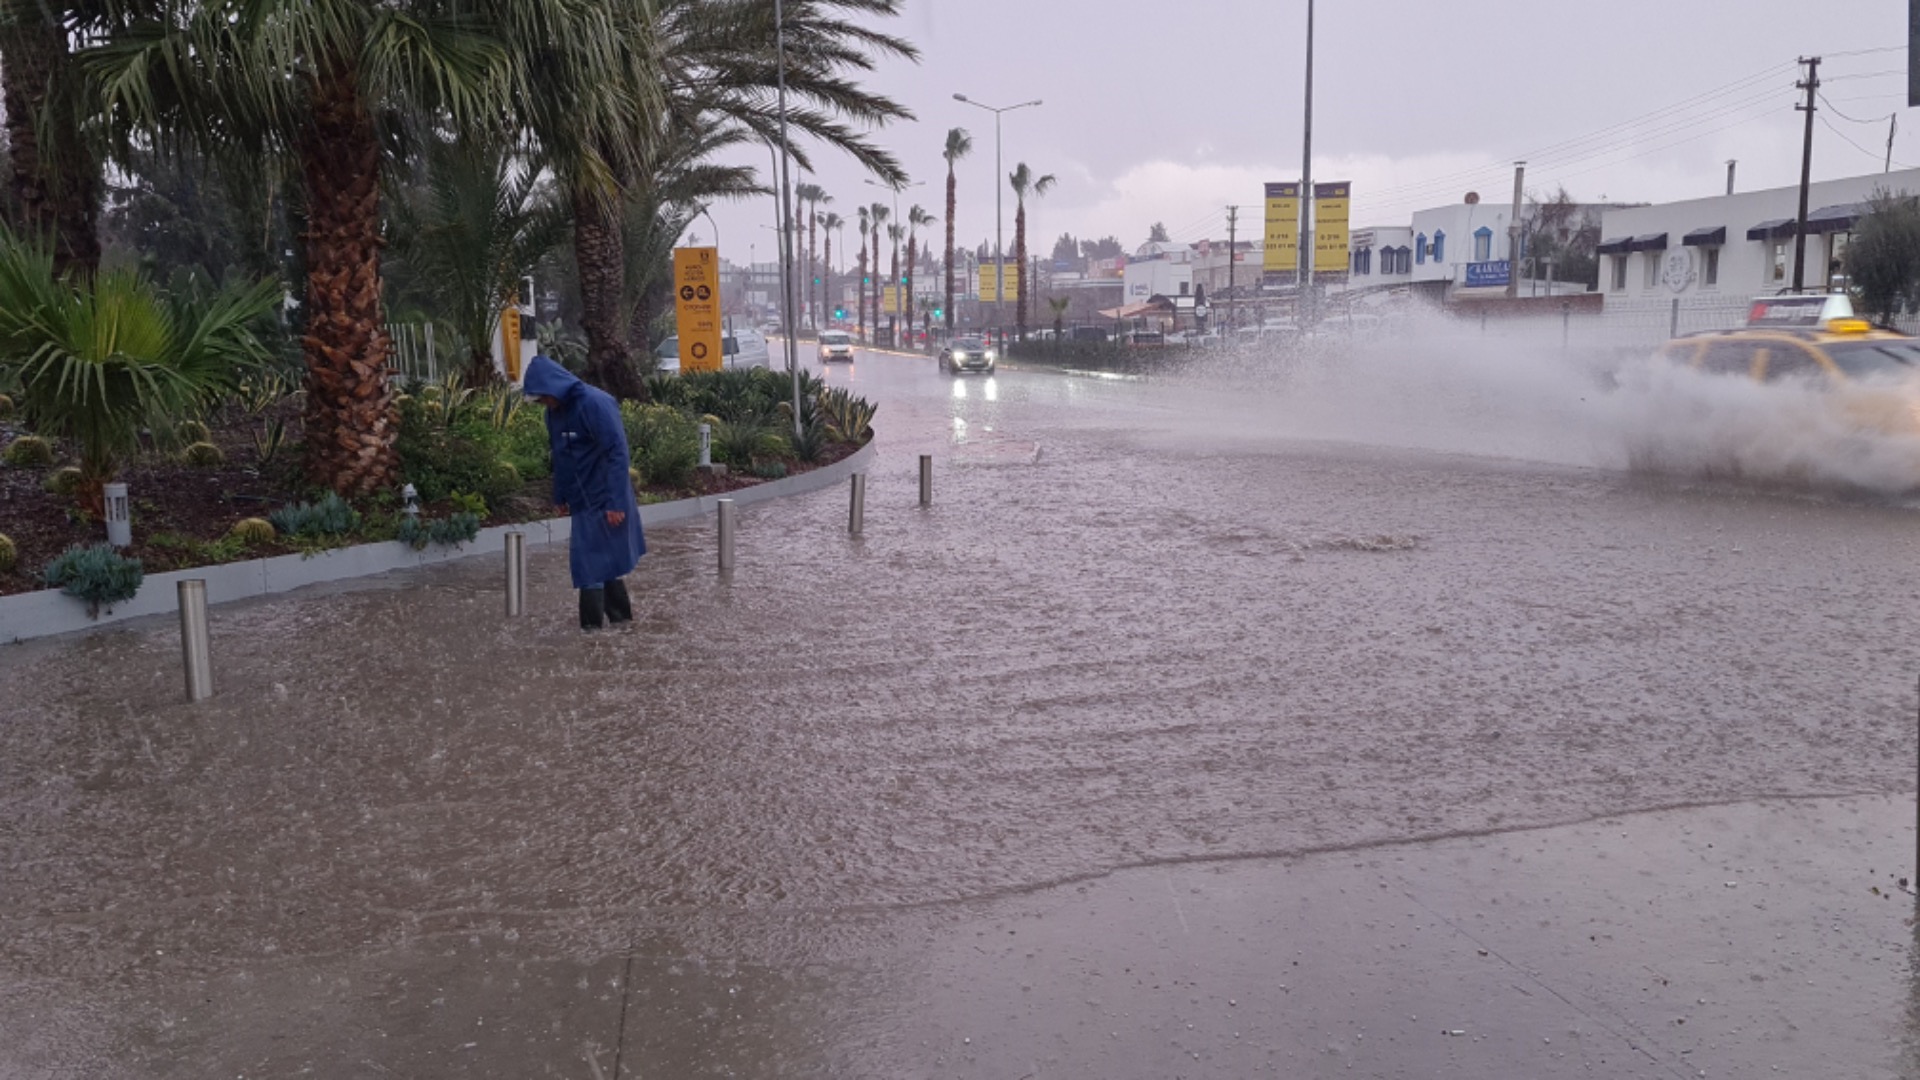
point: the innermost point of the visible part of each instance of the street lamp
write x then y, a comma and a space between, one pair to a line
999, 259
896, 189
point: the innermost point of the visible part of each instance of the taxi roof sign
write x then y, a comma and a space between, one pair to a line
1805, 310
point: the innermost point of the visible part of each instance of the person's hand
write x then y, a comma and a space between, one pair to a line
616, 518
560, 508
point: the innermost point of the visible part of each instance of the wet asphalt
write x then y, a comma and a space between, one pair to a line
1191, 732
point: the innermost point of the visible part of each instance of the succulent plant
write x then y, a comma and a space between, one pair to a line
192, 431
64, 480
6, 406
99, 575
508, 473
331, 516
203, 455
28, 451
253, 530
9, 554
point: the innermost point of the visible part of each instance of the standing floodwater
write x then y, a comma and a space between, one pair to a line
1143, 629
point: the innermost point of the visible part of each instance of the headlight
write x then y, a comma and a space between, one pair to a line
989, 356
958, 355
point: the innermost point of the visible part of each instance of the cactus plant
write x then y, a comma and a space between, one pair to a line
192, 431
253, 530
203, 455
507, 473
62, 481
6, 407
9, 554
28, 451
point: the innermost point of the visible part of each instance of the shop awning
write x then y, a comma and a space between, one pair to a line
1617, 246
1832, 219
1649, 242
1713, 237
1771, 229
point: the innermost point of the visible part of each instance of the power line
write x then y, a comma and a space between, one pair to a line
1875, 155
1853, 119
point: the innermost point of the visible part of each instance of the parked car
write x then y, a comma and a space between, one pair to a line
964, 354
836, 345
739, 349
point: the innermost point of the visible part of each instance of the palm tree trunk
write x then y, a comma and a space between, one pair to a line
893, 282
813, 238
55, 185
876, 279
826, 279
908, 300
1020, 261
860, 289
952, 196
601, 258
350, 422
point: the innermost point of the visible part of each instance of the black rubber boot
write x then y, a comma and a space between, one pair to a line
619, 604
593, 609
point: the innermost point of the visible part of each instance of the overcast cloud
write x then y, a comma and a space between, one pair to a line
1169, 110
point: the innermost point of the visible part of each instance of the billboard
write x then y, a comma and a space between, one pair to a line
1488, 274
696, 307
1010, 278
1283, 229
1330, 227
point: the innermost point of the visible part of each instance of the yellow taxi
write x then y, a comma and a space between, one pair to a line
1818, 339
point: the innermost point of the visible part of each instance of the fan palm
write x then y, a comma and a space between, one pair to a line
860, 284
879, 213
1024, 183
916, 218
97, 360
829, 221
330, 85
959, 145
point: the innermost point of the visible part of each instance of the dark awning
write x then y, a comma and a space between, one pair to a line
1832, 219
1617, 246
1649, 242
1713, 237
1771, 229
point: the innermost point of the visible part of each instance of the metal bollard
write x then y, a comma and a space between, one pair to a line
1673, 326
857, 507
727, 521
196, 645
926, 479
706, 445
516, 574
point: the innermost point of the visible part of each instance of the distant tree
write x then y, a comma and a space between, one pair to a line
1883, 261
1024, 183
1059, 305
959, 145
1107, 247
1066, 249
1158, 234
1566, 233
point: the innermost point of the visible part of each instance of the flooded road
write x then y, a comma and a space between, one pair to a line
1175, 642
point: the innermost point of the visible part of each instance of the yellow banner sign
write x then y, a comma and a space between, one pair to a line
1009, 279
890, 300
1330, 227
510, 340
1283, 229
696, 307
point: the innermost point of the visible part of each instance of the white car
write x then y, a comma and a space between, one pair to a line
836, 345
739, 349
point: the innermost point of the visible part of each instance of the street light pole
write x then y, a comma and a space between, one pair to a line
999, 178
1304, 304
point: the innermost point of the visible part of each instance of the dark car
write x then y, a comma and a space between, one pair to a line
964, 354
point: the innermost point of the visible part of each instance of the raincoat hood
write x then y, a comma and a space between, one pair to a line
544, 378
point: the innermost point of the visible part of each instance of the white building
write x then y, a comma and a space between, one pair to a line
1380, 256
1733, 247
1159, 269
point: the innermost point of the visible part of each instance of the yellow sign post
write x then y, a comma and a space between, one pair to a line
1330, 214
696, 307
1283, 231
1009, 282
510, 339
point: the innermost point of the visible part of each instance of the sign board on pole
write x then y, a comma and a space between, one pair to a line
1010, 280
510, 341
1330, 214
696, 307
1283, 230
1487, 274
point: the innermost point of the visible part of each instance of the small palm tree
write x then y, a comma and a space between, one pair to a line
880, 214
917, 218
959, 145
96, 361
895, 233
1024, 182
860, 284
807, 198
829, 221
1059, 305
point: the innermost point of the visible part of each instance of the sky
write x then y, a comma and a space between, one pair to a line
1172, 110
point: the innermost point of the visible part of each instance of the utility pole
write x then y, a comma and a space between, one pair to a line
1812, 87
1233, 220
1893, 126
1303, 305
1731, 162
1513, 230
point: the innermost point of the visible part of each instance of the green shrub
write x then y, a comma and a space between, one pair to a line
331, 516
508, 472
253, 530
63, 481
454, 529
523, 444
9, 554
664, 443
99, 575
203, 455
469, 503
28, 451
739, 442
851, 416
769, 470
439, 459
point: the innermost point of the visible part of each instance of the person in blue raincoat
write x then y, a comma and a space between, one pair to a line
591, 484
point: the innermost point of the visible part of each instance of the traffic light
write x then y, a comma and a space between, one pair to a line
816, 279
839, 313
938, 314
868, 280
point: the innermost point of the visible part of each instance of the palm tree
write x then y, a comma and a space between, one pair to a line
959, 145
860, 284
916, 218
330, 85
879, 213
1059, 305
895, 233
1024, 182
478, 224
829, 221
55, 178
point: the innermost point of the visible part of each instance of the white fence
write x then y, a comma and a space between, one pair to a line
413, 355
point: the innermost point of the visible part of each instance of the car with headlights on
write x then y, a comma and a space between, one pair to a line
970, 353
836, 345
